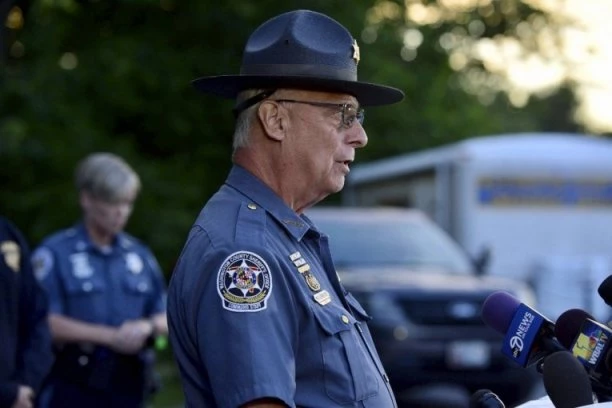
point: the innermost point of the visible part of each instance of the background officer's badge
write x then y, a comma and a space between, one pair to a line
244, 282
42, 262
80, 265
134, 263
11, 253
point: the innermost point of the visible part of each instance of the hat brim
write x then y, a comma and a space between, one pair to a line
228, 86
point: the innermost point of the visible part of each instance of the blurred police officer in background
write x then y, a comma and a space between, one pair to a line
106, 295
25, 342
258, 317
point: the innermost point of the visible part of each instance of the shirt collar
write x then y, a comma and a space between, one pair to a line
246, 183
83, 242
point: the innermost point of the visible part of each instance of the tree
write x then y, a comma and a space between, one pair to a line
113, 75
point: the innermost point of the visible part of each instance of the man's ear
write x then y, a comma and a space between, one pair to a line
274, 119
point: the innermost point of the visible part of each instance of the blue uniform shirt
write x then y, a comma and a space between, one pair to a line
256, 310
122, 282
26, 354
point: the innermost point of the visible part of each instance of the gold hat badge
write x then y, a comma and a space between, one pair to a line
356, 55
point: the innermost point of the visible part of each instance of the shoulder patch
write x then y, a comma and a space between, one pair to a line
244, 282
42, 262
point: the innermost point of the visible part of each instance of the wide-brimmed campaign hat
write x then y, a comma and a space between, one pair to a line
305, 50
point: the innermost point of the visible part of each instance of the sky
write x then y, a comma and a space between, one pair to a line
571, 45
576, 50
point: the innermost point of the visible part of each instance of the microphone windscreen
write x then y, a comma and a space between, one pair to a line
605, 290
566, 381
485, 399
498, 310
476, 397
568, 326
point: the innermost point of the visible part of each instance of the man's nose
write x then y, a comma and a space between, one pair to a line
357, 136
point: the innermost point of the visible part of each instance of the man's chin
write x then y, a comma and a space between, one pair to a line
115, 228
336, 187
340, 184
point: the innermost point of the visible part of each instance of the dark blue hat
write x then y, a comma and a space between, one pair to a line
305, 50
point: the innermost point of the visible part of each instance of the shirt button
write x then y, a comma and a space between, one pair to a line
142, 286
345, 319
87, 286
252, 206
83, 360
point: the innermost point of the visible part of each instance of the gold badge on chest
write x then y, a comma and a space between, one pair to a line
321, 296
310, 279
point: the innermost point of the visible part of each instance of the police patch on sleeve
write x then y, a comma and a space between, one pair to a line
42, 262
244, 282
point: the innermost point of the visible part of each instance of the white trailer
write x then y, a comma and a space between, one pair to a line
540, 202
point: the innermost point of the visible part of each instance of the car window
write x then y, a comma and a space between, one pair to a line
390, 242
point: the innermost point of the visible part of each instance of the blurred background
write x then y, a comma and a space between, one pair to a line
79, 76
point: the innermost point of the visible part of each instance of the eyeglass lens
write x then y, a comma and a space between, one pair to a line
349, 114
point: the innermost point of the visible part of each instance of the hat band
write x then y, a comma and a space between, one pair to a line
305, 70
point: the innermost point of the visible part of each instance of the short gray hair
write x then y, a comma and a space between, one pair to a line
245, 119
107, 177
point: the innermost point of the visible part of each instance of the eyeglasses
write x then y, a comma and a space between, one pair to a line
349, 112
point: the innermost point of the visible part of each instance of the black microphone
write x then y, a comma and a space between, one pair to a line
568, 326
605, 290
590, 342
528, 335
485, 399
565, 381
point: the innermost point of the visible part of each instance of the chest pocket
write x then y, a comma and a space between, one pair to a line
137, 290
350, 374
85, 298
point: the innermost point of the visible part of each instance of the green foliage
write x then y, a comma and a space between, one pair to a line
113, 75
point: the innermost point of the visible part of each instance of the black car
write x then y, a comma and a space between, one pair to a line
425, 297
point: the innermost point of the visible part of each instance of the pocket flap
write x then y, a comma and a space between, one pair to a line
333, 320
357, 308
137, 284
76, 287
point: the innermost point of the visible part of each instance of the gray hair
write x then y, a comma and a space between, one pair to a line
245, 119
106, 177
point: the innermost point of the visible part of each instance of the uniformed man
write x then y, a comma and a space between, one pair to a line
25, 342
107, 295
257, 315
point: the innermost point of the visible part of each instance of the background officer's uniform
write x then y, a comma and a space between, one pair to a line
105, 286
25, 342
264, 311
